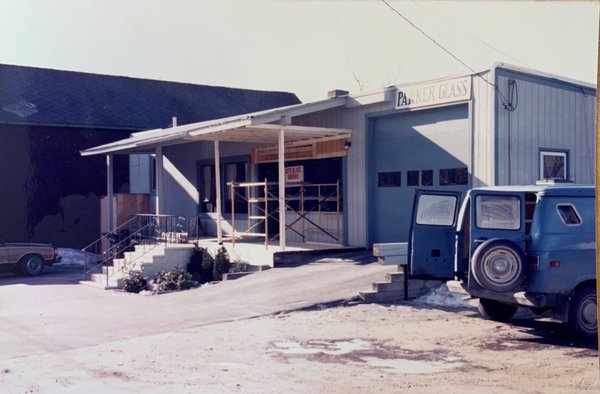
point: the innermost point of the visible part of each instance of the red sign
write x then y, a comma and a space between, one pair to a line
294, 174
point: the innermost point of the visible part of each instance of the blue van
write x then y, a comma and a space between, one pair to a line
512, 246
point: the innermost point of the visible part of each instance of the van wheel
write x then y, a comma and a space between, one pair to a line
494, 310
31, 265
498, 265
583, 313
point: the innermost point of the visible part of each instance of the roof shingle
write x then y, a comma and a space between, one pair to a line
38, 96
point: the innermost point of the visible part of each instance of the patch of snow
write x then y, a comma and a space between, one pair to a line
441, 296
405, 367
76, 257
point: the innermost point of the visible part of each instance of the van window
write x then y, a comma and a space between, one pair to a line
569, 214
498, 212
436, 210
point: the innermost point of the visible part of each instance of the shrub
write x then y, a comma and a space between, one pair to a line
174, 280
222, 263
134, 282
201, 265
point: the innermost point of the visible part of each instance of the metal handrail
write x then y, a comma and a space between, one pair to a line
143, 229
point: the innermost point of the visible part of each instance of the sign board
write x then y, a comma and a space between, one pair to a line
294, 174
433, 93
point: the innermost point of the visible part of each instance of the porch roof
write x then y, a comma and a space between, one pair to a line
256, 127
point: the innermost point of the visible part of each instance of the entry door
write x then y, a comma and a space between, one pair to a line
432, 235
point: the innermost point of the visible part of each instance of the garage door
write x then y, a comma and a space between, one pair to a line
422, 149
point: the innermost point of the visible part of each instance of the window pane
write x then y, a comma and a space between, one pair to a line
389, 179
454, 176
553, 166
569, 215
412, 178
499, 212
427, 178
436, 210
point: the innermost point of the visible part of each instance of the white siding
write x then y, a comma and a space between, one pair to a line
549, 115
181, 193
482, 166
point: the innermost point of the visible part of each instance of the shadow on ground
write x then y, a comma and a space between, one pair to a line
52, 275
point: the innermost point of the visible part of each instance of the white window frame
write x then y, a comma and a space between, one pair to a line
563, 154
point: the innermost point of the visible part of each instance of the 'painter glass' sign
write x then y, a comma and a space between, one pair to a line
433, 93
294, 174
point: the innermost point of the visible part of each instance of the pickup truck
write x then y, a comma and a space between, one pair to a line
512, 246
26, 258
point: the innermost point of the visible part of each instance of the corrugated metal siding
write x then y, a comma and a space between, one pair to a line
482, 166
355, 208
549, 115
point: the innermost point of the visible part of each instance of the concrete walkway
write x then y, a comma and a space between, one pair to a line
51, 313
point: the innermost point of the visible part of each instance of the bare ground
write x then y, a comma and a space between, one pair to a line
347, 348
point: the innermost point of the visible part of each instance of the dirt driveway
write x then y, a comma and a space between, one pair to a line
341, 347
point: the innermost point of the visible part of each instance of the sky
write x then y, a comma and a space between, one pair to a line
307, 47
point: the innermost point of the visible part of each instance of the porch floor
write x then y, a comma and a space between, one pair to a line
256, 253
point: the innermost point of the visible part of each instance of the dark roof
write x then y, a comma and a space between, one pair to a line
38, 96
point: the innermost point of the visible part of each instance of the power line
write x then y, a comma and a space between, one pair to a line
502, 98
446, 20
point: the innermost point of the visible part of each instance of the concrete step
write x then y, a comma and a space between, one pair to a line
388, 286
383, 298
392, 277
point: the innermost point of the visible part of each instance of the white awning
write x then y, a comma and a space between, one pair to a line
258, 127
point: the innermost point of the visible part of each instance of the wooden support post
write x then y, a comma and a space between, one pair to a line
232, 215
266, 215
218, 192
109, 192
281, 162
159, 180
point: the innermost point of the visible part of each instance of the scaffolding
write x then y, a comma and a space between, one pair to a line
317, 208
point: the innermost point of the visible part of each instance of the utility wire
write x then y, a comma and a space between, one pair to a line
446, 20
502, 98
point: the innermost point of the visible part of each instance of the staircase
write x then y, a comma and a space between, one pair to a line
148, 262
146, 243
397, 288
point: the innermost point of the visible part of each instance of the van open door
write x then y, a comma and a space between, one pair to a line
432, 234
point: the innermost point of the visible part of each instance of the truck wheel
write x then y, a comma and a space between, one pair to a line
31, 265
498, 265
494, 310
583, 313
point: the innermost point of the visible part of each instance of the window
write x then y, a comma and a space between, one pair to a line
419, 178
230, 172
498, 212
436, 210
553, 165
569, 214
389, 179
207, 188
454, 176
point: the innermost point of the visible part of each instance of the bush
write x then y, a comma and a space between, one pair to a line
201, 265
175, 280
134, 282
222, 263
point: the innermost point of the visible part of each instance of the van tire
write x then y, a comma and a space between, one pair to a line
583, 313
494, 310
498, 265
